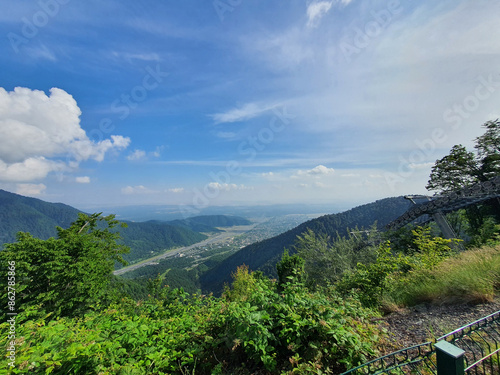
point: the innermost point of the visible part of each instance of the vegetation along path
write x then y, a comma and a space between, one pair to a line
426, 322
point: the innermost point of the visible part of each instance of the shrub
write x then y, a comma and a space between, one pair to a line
469, 277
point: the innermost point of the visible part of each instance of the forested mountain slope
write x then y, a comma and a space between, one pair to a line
265, 254
39, 218
24, 214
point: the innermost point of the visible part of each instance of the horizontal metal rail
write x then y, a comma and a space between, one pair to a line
404, 359
480, 340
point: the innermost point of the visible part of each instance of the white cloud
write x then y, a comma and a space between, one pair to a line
227, 187
139, 189
30, 189
34, 168
317, 171
316, 10
246, 112
137, 155
176, 190
136, 56
83, 180
37, 130
157, 152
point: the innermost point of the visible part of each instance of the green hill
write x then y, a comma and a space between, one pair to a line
265, 254
24, 214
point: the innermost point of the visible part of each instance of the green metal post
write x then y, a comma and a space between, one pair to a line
450, 359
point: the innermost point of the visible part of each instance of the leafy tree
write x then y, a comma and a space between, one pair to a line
488, 150
454, 171
68, 274
290, 269
462, 168
327, 260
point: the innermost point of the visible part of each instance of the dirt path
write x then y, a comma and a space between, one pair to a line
424, 322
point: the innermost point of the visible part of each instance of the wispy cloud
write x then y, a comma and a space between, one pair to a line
245, 112
316, 10
137, 155
139, 189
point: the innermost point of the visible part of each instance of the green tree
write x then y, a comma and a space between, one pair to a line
463, 168
326, 260
488, 150
68, 274
290, 269
454, 171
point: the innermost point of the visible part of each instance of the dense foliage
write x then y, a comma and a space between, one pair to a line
68, 323
64, 275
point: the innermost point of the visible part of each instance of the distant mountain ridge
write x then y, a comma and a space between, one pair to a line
24, 214
265, 254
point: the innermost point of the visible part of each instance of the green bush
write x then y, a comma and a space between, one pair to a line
287, 328
380, 283
253, 329
469, 277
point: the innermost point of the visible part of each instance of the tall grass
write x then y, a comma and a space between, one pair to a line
469, 277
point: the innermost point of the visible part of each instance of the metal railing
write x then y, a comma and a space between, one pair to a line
471, 349
480, 341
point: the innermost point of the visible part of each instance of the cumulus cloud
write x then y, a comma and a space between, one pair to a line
83, 180
30, 189
317, 171
40, 134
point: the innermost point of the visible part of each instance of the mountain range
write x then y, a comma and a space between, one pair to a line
149, 238
145, 239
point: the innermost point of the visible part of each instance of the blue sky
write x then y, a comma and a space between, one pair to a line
203, 103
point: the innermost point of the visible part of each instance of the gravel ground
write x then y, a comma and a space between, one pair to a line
425, 322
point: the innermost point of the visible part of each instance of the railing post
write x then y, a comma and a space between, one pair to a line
450, 359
